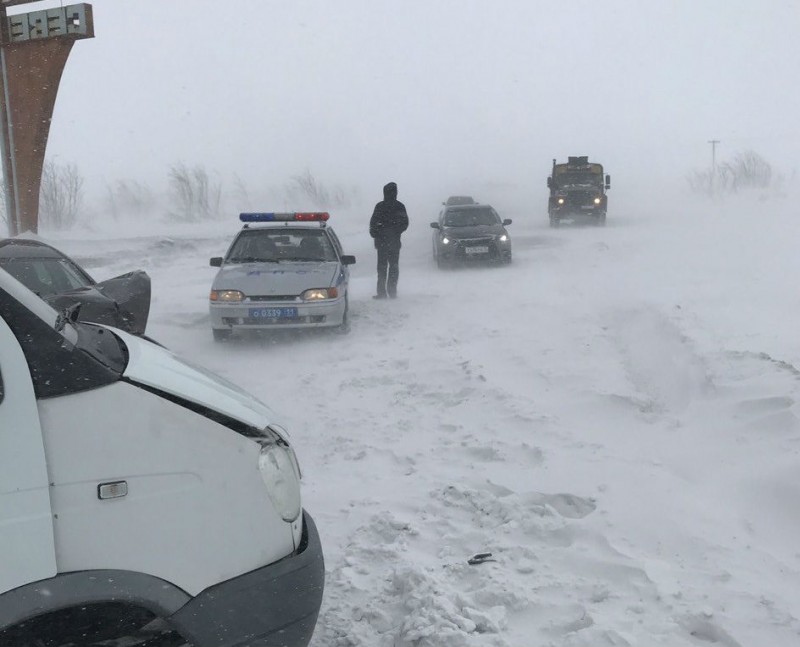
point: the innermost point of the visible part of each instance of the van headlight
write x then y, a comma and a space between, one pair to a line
281, 475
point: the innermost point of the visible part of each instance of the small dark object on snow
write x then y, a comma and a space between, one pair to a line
480, 558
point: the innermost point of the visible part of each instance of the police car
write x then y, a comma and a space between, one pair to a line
282, 270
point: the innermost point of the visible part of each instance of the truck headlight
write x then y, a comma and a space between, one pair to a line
226, 296
280, 473
597, 200
561, 201
445, 241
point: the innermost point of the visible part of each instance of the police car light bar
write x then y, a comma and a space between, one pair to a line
321, 216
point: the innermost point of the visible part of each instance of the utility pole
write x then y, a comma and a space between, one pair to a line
713, 143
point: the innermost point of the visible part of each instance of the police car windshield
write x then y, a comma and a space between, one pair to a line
281, 244
470, 217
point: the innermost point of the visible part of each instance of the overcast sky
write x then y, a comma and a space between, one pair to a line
435, 94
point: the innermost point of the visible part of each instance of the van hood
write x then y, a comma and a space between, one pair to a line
154, 366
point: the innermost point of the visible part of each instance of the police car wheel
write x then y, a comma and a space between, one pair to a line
344, 327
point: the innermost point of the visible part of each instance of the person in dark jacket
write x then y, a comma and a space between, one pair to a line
389, 220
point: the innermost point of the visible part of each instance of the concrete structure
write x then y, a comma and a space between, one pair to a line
33, 51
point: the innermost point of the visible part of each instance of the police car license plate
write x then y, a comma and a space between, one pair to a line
478, 249
273, 313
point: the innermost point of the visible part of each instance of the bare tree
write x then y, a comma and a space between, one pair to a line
61, 195
194, 194
747, 170
240, 194
129, 197
307, 189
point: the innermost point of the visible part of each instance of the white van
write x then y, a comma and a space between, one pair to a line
141, 495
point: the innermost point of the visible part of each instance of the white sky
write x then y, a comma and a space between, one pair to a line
433, 94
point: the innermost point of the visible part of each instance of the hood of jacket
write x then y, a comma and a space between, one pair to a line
390, 191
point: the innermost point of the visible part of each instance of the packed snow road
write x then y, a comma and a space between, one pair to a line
613, 417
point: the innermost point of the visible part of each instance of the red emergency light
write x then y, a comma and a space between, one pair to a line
316, 216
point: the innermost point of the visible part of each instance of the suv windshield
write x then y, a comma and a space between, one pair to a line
470, 217
281, 244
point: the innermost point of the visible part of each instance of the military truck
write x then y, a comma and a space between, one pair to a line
578, 192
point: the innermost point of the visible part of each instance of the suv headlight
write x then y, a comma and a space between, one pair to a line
226, 296
281, 474
503, 238
318, 294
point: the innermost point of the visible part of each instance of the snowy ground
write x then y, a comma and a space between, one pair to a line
614, 417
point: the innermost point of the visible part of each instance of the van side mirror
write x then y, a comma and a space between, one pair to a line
216, 261
435, 225
507, 221
348, 260
608, 181
550, 183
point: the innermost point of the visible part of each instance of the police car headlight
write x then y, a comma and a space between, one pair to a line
561, 201
445, 241
280, 474
317, 294
597, 200
226, 296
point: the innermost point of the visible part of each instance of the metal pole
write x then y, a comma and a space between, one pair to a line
9, 174
6, 144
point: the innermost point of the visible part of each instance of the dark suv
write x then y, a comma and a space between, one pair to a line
459, 199
470, 233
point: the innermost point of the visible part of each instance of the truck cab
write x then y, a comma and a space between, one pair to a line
141, 496
578, 192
